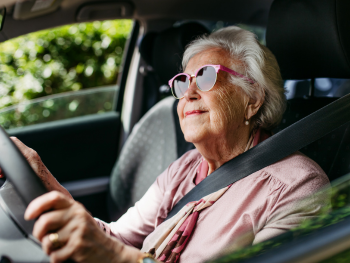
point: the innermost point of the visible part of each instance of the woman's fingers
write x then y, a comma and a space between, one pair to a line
67, 251
74, 233
39, 168
32, 157
79, 239
63, 235
28, 153
50, 222
52, 200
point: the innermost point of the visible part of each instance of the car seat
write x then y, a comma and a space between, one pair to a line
156, 140
308, 45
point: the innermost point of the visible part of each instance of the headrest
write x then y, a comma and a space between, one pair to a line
310, 38
163, 51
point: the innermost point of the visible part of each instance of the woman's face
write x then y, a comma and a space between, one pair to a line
215, 114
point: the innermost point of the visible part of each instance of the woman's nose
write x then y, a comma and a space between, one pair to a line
192, 91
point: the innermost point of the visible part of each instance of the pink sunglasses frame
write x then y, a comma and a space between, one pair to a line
217, 68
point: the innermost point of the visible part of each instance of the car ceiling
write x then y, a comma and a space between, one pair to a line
253, 12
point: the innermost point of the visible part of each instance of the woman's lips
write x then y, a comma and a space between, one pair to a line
193, 113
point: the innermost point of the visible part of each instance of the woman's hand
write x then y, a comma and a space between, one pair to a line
79, 237
39, 168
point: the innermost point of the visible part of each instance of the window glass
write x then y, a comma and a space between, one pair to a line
59, 107
339, 195
342, 257
64, 59
324, 87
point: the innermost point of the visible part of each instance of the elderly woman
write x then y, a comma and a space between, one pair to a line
231, 95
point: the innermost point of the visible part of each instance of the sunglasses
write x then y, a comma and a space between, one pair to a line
205, 79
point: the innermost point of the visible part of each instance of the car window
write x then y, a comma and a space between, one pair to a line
339, 210
68, 60
60, 106
324, 87
342, 257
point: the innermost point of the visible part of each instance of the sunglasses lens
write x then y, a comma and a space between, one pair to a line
206, 78
180, 85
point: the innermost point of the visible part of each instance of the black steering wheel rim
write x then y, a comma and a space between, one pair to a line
21, 176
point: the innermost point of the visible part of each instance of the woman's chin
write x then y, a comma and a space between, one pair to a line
194, 137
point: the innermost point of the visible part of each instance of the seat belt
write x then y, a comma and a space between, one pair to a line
273, 149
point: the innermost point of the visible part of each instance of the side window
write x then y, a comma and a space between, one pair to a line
342, 257
337, 211
324, 87
61, 73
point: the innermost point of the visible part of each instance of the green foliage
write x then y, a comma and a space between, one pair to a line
339, 194
59, 107
67, 58
342, 257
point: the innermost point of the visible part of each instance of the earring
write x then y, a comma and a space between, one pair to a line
246, 122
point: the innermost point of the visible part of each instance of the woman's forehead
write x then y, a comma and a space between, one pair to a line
210, 56
214, 56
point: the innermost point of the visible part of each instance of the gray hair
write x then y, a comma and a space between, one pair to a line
260, 65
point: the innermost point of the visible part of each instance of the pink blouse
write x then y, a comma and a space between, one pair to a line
256, 208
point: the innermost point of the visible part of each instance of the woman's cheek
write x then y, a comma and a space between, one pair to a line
228, 108
180, 108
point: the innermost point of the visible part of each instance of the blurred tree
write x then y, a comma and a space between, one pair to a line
339, 210
67, 58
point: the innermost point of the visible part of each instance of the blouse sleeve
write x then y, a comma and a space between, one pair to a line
141, 219
292, 204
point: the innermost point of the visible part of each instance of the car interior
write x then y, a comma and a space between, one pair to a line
108, 161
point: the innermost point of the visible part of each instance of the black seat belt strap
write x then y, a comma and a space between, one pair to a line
273, 149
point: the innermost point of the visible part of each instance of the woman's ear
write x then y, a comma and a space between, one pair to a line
254, 105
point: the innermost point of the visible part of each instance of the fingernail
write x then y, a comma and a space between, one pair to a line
26, 216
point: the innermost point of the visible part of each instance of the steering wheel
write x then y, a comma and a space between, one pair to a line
22, 186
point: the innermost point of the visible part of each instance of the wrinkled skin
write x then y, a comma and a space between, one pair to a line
38, 166
218, 132
217, 129
80, 237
